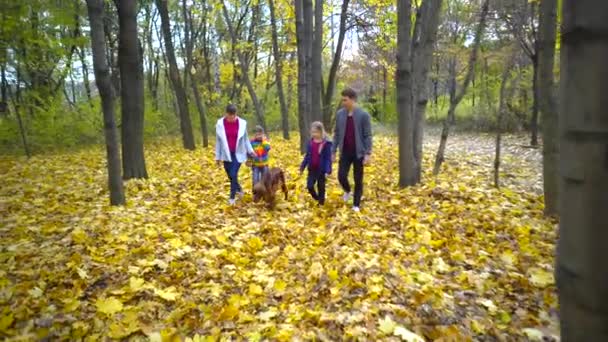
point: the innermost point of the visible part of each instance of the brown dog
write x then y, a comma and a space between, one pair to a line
268, 186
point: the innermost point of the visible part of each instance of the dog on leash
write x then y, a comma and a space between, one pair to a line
266, 189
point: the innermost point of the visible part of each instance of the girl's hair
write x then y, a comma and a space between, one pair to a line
318, 125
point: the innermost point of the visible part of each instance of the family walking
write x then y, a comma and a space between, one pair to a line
352, 139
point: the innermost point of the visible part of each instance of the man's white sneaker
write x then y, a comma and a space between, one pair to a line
240, 195
231, 201
346, 196
356, 209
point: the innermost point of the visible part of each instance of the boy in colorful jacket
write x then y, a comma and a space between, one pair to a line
261, 146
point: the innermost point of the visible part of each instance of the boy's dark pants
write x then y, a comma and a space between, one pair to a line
316, 177
346, 160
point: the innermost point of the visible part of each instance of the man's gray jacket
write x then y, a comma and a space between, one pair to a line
363, 131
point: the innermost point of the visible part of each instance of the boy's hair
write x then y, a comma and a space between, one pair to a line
258, 129
231, 109
350, 93
318, 125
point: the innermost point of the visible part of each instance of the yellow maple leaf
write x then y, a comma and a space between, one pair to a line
387, 325
255, 243
280, 285
407, 335
229, 312
109, 306
136, 284
540, 278
316, 270
255, 290
170, 293
6, 321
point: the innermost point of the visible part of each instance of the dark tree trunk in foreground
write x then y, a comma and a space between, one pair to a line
303, 44
427, 24
403, 79
176, 82
582, 270
131, 91
317, 67
548, 108
278, 63
104, 84
455, 100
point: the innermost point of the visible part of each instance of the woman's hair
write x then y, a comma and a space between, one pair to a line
231, 109
318, 126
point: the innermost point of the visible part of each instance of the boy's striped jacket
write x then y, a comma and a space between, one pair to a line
260, 148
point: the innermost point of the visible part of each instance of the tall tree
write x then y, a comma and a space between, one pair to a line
328, 108
500, 114
176, 82
317, 62
423, 44
457, 95
303, 9
548, 108
245, 70
582, 271
104, 84
190, 35
403, 79
278, 62
131, 91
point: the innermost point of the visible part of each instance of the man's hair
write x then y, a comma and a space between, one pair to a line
259, 129
350, 93
231, 109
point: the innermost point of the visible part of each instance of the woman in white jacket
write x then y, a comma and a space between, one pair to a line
232, 147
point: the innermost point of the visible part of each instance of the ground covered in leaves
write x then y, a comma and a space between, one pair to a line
453, 259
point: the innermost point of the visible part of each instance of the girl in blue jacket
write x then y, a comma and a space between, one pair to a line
318, 161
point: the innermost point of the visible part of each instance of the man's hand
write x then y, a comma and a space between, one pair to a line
367, 159
333, 157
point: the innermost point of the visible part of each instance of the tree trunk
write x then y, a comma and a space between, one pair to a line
131, 92
403, 80
245, 72
582, 271
534, 120
508, 64
176, 82
422, 57
308, 44
278, 63
303, 89
189, 36
104, 85
333, 71
548, 109
455, 100
317, 67
85, 74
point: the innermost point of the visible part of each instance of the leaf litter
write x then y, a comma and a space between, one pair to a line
451, 259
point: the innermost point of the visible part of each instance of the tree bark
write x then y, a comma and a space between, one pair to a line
333, 71
245, 71
190, 36
131, 92
455, 100
104, 84
176, 82
548, 108
422, 57
302, 41
407, 160
534, 119
317, 67
582, 271
85, 74
508, 65
278, 63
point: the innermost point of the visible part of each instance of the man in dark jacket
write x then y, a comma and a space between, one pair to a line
353, 137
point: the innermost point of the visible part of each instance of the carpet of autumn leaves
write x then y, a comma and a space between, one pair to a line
450, 260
